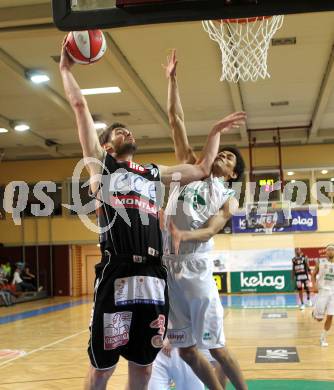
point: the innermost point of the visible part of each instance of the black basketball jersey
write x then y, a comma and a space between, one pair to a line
129, 215
300, 265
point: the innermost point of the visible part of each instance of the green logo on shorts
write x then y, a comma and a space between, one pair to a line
207, 336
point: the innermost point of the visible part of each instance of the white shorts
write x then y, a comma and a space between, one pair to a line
324, 304
167, 370
196, 313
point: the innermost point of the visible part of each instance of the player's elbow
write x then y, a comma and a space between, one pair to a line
78, 103
210, 232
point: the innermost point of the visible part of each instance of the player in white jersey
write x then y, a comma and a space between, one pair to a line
169, 368
324, 305
196, 213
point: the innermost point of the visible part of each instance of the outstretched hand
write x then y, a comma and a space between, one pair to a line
65, 60
170, 67
232, 121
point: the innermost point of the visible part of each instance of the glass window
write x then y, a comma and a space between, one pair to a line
85, 198
298, 194
55, 196
325, 192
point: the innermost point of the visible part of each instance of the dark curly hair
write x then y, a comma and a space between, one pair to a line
105, 135
240, 163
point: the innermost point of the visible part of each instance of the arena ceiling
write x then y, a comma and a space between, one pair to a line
302, 79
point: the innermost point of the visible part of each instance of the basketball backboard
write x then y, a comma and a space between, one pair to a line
89, 14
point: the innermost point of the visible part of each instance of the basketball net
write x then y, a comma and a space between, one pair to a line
268, 222
268, 227
244, 44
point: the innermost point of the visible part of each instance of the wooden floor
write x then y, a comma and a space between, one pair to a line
55, 346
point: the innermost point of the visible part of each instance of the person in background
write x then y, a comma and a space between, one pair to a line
301, 274
19, 283
28, 277
324, 286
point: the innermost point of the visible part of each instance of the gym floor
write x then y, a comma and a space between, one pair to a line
43, 344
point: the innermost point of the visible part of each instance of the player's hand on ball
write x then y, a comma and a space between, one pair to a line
65, 60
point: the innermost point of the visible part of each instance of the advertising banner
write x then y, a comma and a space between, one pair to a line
252, 260
314, 254
221, 281
261, 281
301, 221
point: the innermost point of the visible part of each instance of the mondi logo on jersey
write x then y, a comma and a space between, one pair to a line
261, 281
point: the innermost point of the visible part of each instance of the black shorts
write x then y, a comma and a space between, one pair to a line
130, 312
302, 283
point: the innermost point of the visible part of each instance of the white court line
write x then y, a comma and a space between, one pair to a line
4, 364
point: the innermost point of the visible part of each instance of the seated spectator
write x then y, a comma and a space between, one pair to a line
20, 284
7, 296
3, 278
28, 277
7, 269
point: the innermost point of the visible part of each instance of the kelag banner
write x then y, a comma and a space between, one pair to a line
301, 221
261, 281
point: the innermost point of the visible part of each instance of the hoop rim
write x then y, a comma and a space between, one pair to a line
245, 20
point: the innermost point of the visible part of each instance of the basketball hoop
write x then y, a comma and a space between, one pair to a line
268, 221
268, 227
244, 44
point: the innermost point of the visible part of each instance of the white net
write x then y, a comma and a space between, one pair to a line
244, 44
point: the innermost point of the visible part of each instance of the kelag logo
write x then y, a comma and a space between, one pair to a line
261, 281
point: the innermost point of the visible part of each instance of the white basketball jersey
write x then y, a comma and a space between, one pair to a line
326, 275
190, 208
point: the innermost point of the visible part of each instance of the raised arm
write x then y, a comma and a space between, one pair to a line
183, 150
234, 121
214, 224
87, 134
190, 173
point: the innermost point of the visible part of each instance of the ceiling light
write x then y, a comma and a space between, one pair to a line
290, 173
324, 171
3, 130
293, 181
332, 179
100, 125
21, 127
37, 77
99, 91
284, 41
279, 103
98, 245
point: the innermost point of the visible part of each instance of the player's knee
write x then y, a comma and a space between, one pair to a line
140, 374
188, 354
100, 376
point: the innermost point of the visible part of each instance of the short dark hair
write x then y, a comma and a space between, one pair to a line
104, 136
239, 165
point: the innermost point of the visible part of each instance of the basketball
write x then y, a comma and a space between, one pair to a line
86, 47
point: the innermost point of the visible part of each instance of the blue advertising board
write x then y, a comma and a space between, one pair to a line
301, 221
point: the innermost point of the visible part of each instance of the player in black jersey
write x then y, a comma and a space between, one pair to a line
301, 273
130, 312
